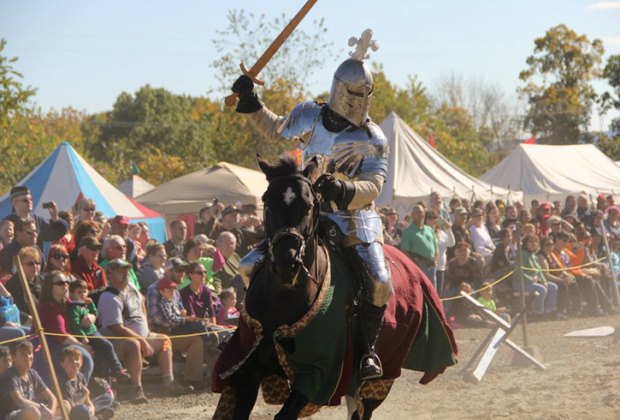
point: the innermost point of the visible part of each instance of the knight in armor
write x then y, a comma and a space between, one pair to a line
352, 152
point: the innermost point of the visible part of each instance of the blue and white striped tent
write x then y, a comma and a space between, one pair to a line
64, 177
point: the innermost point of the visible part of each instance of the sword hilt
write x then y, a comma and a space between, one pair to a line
231, 99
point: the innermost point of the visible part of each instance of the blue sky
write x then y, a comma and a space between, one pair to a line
83, 54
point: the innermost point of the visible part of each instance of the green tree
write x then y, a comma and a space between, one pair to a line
557, 84
610, 100
14, 96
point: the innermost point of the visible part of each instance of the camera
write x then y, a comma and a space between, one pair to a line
47, 205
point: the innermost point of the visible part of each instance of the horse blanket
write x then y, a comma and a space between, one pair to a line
322, 362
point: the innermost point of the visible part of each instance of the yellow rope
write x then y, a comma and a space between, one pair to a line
136, 338
480, 290
16, 339
549, 270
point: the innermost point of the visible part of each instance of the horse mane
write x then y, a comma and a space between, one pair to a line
286, 166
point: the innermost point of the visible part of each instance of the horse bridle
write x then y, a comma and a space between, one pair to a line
292, 231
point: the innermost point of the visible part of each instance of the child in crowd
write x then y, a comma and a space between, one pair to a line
462, 314
486, 300
5, 359
23, 394
228, 314
82, 317
74, 385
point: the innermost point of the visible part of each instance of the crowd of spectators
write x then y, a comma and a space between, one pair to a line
468, 246
99, 280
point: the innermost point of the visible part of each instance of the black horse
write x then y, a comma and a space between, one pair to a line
287, 292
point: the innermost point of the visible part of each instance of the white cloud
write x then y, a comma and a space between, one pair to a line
611, 41
604, 5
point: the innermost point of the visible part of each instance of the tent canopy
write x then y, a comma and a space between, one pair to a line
546, 172
415, 170
230, 184
65, 177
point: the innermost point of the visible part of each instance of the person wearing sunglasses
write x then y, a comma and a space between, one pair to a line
25, 235
48, 230
31, 263
53, 312
58, 259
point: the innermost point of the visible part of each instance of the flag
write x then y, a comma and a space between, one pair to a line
531, 140
431, 140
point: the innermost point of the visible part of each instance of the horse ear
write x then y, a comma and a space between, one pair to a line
311, 168
264, 166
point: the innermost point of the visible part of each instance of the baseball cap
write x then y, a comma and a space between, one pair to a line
203, 239
459, 211
230, 209
166, 283
120, 220
19, 190
175, 263
117, 264
89, 242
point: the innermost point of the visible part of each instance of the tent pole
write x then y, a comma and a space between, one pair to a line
614, 287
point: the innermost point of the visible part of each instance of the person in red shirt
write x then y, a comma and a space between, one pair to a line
86, 268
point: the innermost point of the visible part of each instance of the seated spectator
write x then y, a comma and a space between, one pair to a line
584, 213
58, 259
462, 269
82, 314
47, 230
612, 223
145, 234
152, 269
196, 296
74, 386
121, 312
545, 304
6, 361
463, 314
510, 216
89, 228
25, 236
134, 235
486, 299
228, 314
7, 232
87, 269
228, 275
114, 247
31, 263
9, 317
23, 394
67, 239
207, 217
193, 252
459, 230
176, 243
568, 293
481, 240
167, 315
492, 222
528, 229
86, 208
52, 309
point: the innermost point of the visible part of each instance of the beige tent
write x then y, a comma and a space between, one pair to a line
415, 170
230, 184
548, 172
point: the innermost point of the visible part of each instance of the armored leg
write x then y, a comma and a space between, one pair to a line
249, 263
378, 288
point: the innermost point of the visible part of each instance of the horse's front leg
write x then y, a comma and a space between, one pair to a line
295, 402
246, 384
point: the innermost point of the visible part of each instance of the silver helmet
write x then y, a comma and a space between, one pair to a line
352, 86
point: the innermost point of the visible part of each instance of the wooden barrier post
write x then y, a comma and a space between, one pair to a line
38, 330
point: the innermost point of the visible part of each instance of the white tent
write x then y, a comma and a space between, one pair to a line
415, 170
135, 186
230, 184
552, 172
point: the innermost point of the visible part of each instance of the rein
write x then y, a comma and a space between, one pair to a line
294, 232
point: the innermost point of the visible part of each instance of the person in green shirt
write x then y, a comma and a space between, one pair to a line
419, 242
486, 299
198, 249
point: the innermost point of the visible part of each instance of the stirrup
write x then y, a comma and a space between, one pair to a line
370, 366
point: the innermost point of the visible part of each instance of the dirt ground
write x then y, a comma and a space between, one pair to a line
582, 380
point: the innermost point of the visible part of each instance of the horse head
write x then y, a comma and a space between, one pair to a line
291, 210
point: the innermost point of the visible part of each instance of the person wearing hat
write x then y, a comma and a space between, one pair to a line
121, 314
168, 316
459, 229
207, 217
25, 235
178, 234
47, 230
85, 267
119, 225
230, 221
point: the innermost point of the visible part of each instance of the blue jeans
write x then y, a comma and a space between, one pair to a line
429, 270
106, 359
56, 348
547, 299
